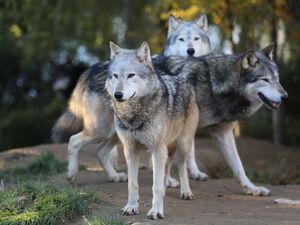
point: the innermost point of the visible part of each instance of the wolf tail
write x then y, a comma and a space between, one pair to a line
67, 125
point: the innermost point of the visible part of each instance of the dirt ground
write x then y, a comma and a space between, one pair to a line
217, 201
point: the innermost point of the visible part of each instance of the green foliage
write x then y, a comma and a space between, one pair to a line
43, 204
28, 126
105, 220
263, 178
298, 180
227, 174
46, 164
254, 176
35, 32
259, 124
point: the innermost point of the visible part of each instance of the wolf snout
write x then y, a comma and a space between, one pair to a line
190, 51
118, 95
284, 98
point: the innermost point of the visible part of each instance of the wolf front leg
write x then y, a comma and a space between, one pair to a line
159, 159
132, 157
76, 142
223, 134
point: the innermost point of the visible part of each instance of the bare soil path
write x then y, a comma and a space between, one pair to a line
217, 201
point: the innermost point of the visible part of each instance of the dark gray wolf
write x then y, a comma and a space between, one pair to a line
184, 39
230, 88
151, 112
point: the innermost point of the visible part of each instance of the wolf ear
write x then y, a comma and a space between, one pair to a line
269, 51
173, 24
114, 50
143, 53
249, 60
202, 22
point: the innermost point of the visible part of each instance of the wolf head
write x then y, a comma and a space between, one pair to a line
130, 73
187, 38
261, 78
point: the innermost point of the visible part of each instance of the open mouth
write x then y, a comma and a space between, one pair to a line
268, 102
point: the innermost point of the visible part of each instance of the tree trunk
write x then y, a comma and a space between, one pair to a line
277, 115
126, 12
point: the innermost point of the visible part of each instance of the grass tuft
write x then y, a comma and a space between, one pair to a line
46, 164
43, 204
262, 178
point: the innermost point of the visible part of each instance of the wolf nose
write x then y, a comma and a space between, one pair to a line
118, 95
190, 51
284, 98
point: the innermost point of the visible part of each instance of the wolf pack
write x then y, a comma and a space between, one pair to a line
157, 103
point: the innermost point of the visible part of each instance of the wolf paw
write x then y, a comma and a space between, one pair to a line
198, 175
155, 214
72, 175
257, 191
129, 210
171, 182
187, 195
118, 177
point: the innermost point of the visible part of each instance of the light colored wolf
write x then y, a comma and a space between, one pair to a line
184, 39
230, 88
187, 38
151, 112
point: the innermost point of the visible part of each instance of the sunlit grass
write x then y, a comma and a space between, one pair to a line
43, 204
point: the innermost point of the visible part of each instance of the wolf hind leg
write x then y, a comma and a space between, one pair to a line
170, 181
104, 156
76, 142
224, 137
184, 147
193, 169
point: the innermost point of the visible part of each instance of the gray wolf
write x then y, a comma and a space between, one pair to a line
75, 119
229, 88
151, 112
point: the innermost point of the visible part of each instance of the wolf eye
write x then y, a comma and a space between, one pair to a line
130, 75
266, 80
196, 38
115, 75
181, 39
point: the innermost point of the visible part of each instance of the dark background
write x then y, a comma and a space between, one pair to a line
35, 34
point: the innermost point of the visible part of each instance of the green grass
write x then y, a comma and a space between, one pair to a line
297, 181
105, 220
254, 176
46, 164
262, 178
43, 204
